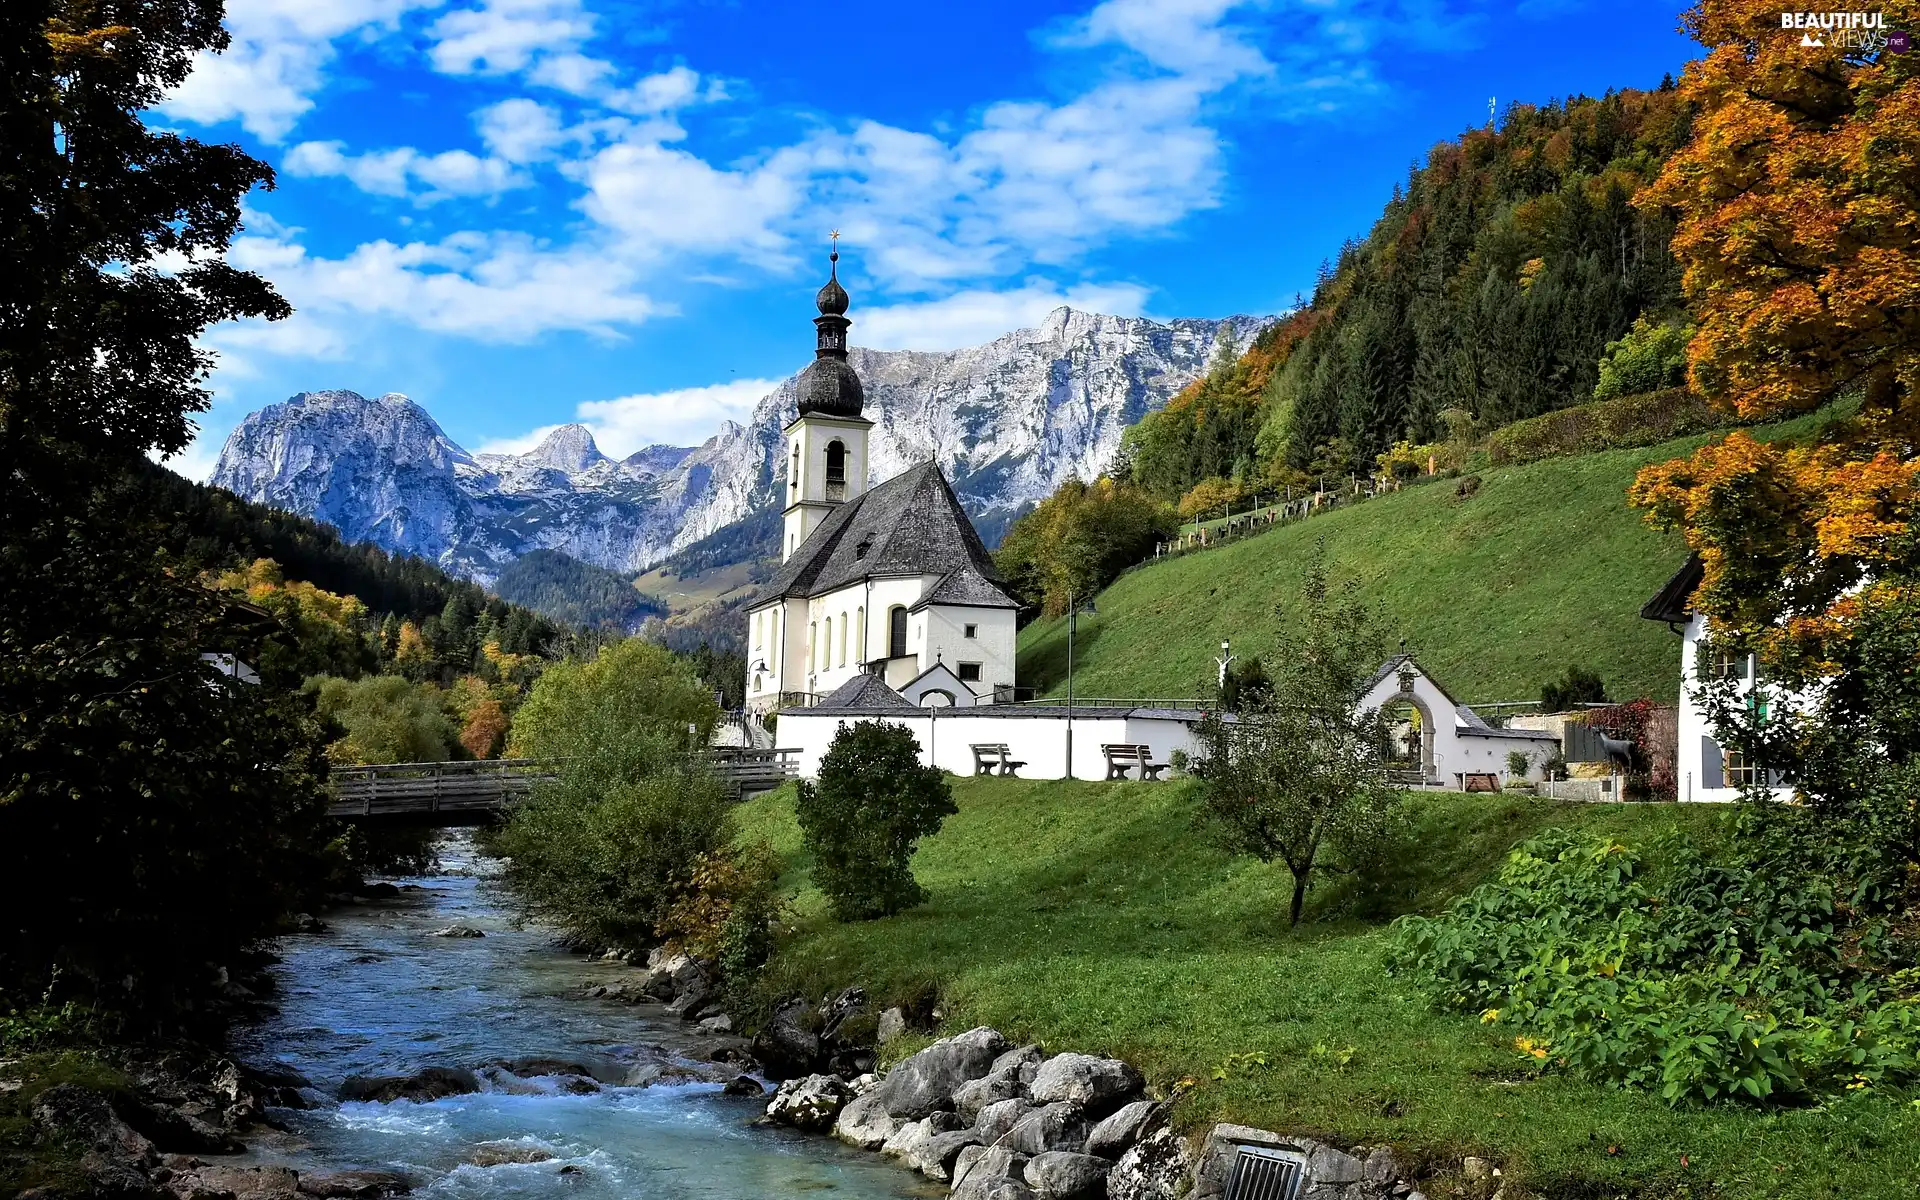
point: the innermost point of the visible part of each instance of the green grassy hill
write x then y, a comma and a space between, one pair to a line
1099, 917
1543, 567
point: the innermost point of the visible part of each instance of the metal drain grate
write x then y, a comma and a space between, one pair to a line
1261, 1174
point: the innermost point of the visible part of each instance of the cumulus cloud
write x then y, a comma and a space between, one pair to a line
682, 417
394, 172
498, 287
501, 37
266, 79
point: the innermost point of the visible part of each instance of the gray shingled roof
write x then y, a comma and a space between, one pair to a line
865, 692
966, 586
910, 525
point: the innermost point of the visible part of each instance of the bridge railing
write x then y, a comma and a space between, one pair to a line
473, 788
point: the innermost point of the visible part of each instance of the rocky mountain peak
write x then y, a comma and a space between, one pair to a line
569, 448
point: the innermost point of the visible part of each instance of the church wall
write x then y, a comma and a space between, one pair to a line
992, 645
947, 736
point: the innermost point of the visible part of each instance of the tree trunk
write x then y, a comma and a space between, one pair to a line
1299, 896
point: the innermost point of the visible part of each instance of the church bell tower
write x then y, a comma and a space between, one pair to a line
826, 445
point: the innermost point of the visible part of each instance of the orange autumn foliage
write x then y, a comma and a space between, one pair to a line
485, 729
1797, 205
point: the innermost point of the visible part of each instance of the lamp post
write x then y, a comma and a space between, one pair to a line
1073, 612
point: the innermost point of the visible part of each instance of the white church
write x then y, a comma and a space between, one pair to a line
890, 583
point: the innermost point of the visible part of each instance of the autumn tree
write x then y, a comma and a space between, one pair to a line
1797, 207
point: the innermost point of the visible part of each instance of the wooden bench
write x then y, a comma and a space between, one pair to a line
987, 757
1124, 756
1475, 781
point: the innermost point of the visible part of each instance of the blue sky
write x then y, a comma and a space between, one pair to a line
527, 212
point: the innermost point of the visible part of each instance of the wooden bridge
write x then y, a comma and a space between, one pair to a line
473, 793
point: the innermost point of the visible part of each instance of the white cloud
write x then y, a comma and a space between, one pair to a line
668, 199
390, 172
520, 130
970, 318
509, 36
267, 77
682, 417
497, 287
198, 460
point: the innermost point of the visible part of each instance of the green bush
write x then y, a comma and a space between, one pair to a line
608, 848
1616, 424
1703, 978
873, 801
1650, 358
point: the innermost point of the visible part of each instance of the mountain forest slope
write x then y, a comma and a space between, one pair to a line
1486, 293
1542, 567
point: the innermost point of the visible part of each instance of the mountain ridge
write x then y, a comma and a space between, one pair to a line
1007, 420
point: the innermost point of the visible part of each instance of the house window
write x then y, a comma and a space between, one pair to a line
973, 630
896, 632
969, 672
1741, 771
1724, 662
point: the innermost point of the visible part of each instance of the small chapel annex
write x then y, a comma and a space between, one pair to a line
891, 582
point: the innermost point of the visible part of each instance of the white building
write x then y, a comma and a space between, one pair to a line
1704, 770
892, 581
1041, 737
1439, 742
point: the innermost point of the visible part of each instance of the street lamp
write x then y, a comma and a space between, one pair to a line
1073, 612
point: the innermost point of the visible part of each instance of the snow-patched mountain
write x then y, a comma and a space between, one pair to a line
1007, 421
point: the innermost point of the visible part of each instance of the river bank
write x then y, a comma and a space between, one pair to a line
539, 1086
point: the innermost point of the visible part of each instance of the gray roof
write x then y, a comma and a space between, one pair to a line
864, 692
967, 587
910, 525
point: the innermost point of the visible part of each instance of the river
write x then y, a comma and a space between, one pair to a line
379, 994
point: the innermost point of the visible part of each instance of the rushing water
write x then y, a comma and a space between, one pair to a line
380, 995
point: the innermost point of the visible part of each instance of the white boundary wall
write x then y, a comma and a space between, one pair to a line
1036, 736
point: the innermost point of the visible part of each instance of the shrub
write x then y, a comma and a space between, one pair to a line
384, 719
1651, 357
873, 801
1705, 980
607, 849
1642, 420
1575, 689
729, 910
1518, 764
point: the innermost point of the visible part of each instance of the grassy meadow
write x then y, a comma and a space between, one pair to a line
1100, 917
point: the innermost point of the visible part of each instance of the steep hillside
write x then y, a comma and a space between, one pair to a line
1542, 567
576, 593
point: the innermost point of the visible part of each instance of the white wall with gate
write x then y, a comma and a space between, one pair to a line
1036, 736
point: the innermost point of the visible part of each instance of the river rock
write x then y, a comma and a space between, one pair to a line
784, 1046
864, 1121
1114, 1136
1156, 1168
674, 974
910, 1137
432, 1083
274, 1085
810, 1103
1098, 1085
115, 1156
494, 1154
835, 1010
355, 1185
996, 1119
1058, 1126
718, 1025
925, 1082
1064, 1175
237, 1183
893, 1023
459, 931
934, 1157
743, 1085
1001, 1083
979, 1186
179, 1130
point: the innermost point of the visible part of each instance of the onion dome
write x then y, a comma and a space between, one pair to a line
829, 386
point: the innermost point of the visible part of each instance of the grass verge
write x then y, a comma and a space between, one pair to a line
1099, 917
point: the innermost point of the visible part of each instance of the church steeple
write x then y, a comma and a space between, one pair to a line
829, 385
827, 442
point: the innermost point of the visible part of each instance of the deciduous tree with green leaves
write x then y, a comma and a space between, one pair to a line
1301, 778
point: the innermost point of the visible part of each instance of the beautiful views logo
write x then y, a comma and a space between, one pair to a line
1849, 30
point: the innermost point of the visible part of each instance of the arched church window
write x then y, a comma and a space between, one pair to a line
836, 461
896, 632
843, 639
860, 642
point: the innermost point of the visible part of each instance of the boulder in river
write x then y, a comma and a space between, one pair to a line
457, 930
864, 1121
811, 1102
494, 1154
354, 1185
784, 1045
744, 1085
423, 1086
